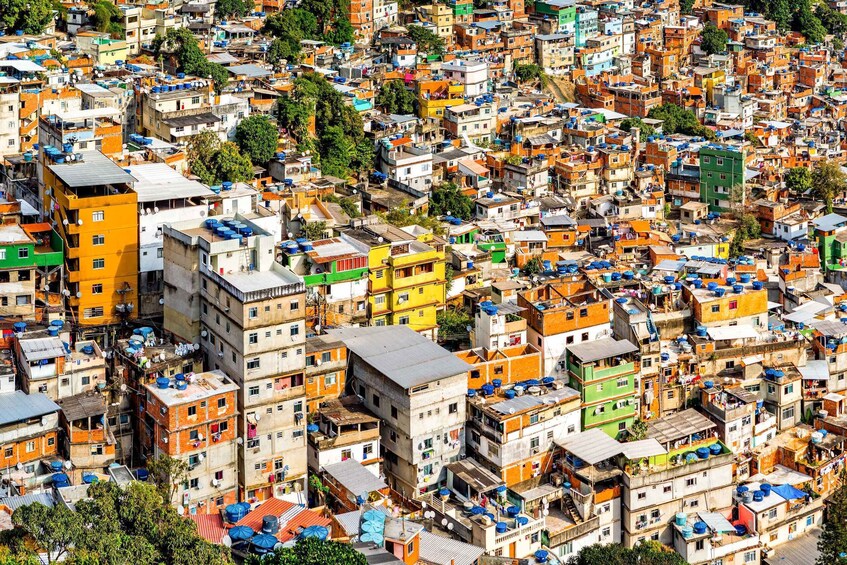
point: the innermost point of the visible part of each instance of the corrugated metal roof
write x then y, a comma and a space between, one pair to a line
816, 370
527, 401
210, 527
158, 181
288, 530
592, 446
95, 170
353, 476
17, 406
42, 348
401, 354
677, 426
643, 448
15, 502
601, 349
447, 551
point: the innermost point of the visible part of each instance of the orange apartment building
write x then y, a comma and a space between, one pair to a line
506, 365
29, 433
326, 370
564, 312
360, 13
88, 441
721, 15
635, 99
514, 432
193, 418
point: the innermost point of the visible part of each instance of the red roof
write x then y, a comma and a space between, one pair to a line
276, 507
210, 526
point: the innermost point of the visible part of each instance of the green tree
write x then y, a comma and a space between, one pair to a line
528, 72
685, 6
233, 8
400, 216
646, 129
679, 120
282, 51
829, 181
645, 553
780, 12
257, 138
231, 165
312, 551
29, 16
395, 98
808, 24
106, 17
835, 22
342, 31
293, 116
314, 231
181, 45
453, 323
55, 530
167, 473
426, 40
533, 266
713, 39
296, 23
215, 162
348, 204
798, 180
748, 228
833, 541
637, 431
448, 199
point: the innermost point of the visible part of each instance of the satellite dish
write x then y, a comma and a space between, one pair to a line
68, 465
444, 521
79, 222
258, 417
226, 541
196, 347
239, 440
161, 301
450, 526
123, 387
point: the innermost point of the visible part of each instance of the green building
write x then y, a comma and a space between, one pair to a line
604, 373
721, 175
462, 8
31, 270
563, 10
831, 237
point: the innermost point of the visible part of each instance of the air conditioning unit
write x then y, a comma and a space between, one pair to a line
216, 483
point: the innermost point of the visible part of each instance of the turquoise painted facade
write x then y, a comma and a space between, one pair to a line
585, 25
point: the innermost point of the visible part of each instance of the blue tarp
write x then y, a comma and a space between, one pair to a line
788, 492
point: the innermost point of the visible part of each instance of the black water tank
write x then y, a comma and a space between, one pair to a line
270, 524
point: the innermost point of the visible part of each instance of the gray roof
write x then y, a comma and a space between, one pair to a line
83, 405
42, 348
830, 328
401, 354
601, 349
817, 370
354, 477
557, 220
799, 551
249, 70
830, 222
592, 446
677, 426
193, 120
670, 265
15, 502
95, 170
478, 477
447, 551
158, 181
527, 401
643, 448
17, 406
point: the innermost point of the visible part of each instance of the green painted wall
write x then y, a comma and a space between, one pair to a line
721, 169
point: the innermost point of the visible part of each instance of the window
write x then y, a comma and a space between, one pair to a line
376, 400
86, 380
716, 308
750, 557
97, 449
623, 382
99, 263
98, 216
642, 495
23, 252
690, 482
788, 413
98, 240
8, 452
329, 380
394, 412
97, 288
666, 488
253, 313
788, 389
254, 391
221, 403
192, 410
253, 338
453, 408
326, 357
295, 305
295, 330
95, 312
733, 305
346, 454
30, 446
403, 321
772, 513
700, 544
253, 363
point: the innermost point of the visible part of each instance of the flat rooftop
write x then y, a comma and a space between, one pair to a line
202, 385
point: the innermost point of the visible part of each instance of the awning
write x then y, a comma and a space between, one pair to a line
752, 359
805, 312
788, 492
716, 522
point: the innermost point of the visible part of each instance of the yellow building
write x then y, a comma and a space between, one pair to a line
708, 78
96, 214
406, 276
436, 95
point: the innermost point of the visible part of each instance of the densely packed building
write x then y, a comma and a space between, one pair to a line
615, 233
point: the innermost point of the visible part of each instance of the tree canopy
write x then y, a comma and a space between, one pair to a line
230, 8
527, 72
748, 228
181, 45
216, 161
828, 181
798, 180
312, 551
106, 17
645, 553
257, 138
679, 120
448, 199
426, 40
29, 16
289, 28
116, 526
713, 39
645, 129
833, 541
339, 136
395, 98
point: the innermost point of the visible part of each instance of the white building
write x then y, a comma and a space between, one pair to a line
473, 75
10, 121
407, 165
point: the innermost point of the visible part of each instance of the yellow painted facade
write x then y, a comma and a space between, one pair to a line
101, 243
407, 288
436, 95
